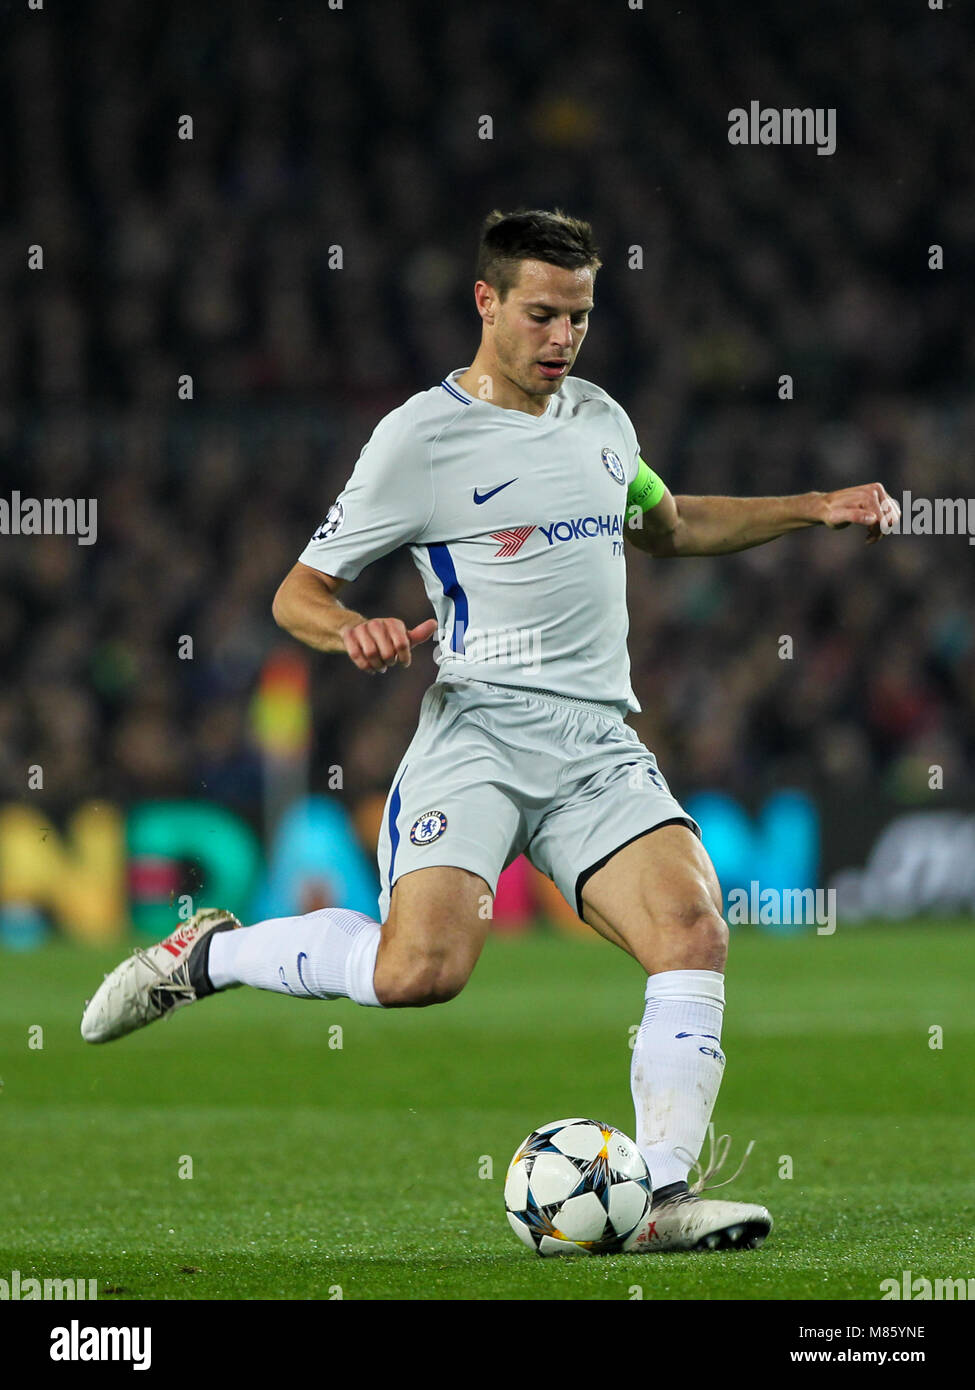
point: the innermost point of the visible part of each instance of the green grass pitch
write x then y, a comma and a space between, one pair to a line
361, 1168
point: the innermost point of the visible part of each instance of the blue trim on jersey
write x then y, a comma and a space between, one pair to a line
443, 568
455, 393
394, 809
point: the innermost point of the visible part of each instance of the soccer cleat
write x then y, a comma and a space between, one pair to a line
154, 982
686, 1221
680, 1218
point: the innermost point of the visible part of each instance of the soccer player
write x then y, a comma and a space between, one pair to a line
515, 486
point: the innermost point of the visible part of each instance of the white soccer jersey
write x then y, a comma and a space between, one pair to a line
515, 523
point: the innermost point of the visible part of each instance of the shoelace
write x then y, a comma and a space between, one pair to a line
168, 984
717, 1154
178, 984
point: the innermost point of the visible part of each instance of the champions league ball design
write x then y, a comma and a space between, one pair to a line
331, 524
577, 1187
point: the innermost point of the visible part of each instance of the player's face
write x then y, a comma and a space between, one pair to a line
540, 325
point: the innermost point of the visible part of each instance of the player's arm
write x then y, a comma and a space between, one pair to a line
307, 606
665, 526
384, 505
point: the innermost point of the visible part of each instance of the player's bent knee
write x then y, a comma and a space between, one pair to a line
717, 935
707, 941
424, 984
695, 940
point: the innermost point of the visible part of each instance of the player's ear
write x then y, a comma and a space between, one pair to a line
485, 298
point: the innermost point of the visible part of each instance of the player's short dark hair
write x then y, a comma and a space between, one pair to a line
534, 235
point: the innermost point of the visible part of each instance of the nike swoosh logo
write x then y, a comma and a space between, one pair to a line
302, 955
480, 497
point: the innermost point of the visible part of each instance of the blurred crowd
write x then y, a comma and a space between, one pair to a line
307, 259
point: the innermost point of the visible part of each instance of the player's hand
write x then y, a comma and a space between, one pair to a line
869, 505
379, 643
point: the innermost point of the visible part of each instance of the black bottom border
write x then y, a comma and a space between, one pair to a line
232, 1336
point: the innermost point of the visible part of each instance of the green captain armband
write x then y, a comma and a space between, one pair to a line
646, 489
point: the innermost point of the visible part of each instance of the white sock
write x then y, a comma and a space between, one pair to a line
676, 1070
329, 954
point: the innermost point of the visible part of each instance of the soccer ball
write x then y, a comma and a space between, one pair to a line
577, 1187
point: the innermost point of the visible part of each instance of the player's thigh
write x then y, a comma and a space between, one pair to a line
433, 935
659, 898
623, 850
